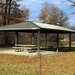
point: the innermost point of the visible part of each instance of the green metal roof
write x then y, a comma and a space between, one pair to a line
34, 26
20, 26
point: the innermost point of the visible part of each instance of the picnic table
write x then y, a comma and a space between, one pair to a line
22, 47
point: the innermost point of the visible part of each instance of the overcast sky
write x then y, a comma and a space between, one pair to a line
35, 7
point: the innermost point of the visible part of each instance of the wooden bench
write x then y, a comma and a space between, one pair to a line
22, 47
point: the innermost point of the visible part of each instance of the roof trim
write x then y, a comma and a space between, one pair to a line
29, 25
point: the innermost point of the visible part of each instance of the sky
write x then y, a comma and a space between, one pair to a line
35, 6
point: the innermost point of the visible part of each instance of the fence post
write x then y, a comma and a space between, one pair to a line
40, 64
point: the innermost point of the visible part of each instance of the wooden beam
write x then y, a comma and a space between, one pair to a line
16, 38
46, 39
33, 38
57, 42
70, 41
38, 42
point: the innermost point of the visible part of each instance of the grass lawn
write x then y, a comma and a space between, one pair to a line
60, 64
64, 43
5, 48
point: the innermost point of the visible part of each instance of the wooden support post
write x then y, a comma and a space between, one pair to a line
57, 42
33, 38
38, 42
46, 39
70, 41
16, 38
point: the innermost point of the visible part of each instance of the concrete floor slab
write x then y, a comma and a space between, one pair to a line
26, 53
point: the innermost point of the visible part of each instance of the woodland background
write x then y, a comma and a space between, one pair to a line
12, 13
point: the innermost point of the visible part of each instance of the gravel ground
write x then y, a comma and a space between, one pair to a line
26, 53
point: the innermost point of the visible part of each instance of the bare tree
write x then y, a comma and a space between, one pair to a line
21, 15
10, 8
52, 15
73, 2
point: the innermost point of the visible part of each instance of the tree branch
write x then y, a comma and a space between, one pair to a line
73, 3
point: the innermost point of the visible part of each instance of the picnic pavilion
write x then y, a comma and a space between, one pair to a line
35, 27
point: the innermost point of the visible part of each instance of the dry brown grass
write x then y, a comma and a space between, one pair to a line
60, 64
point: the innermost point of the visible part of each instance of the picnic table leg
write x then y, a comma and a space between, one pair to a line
30, 50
